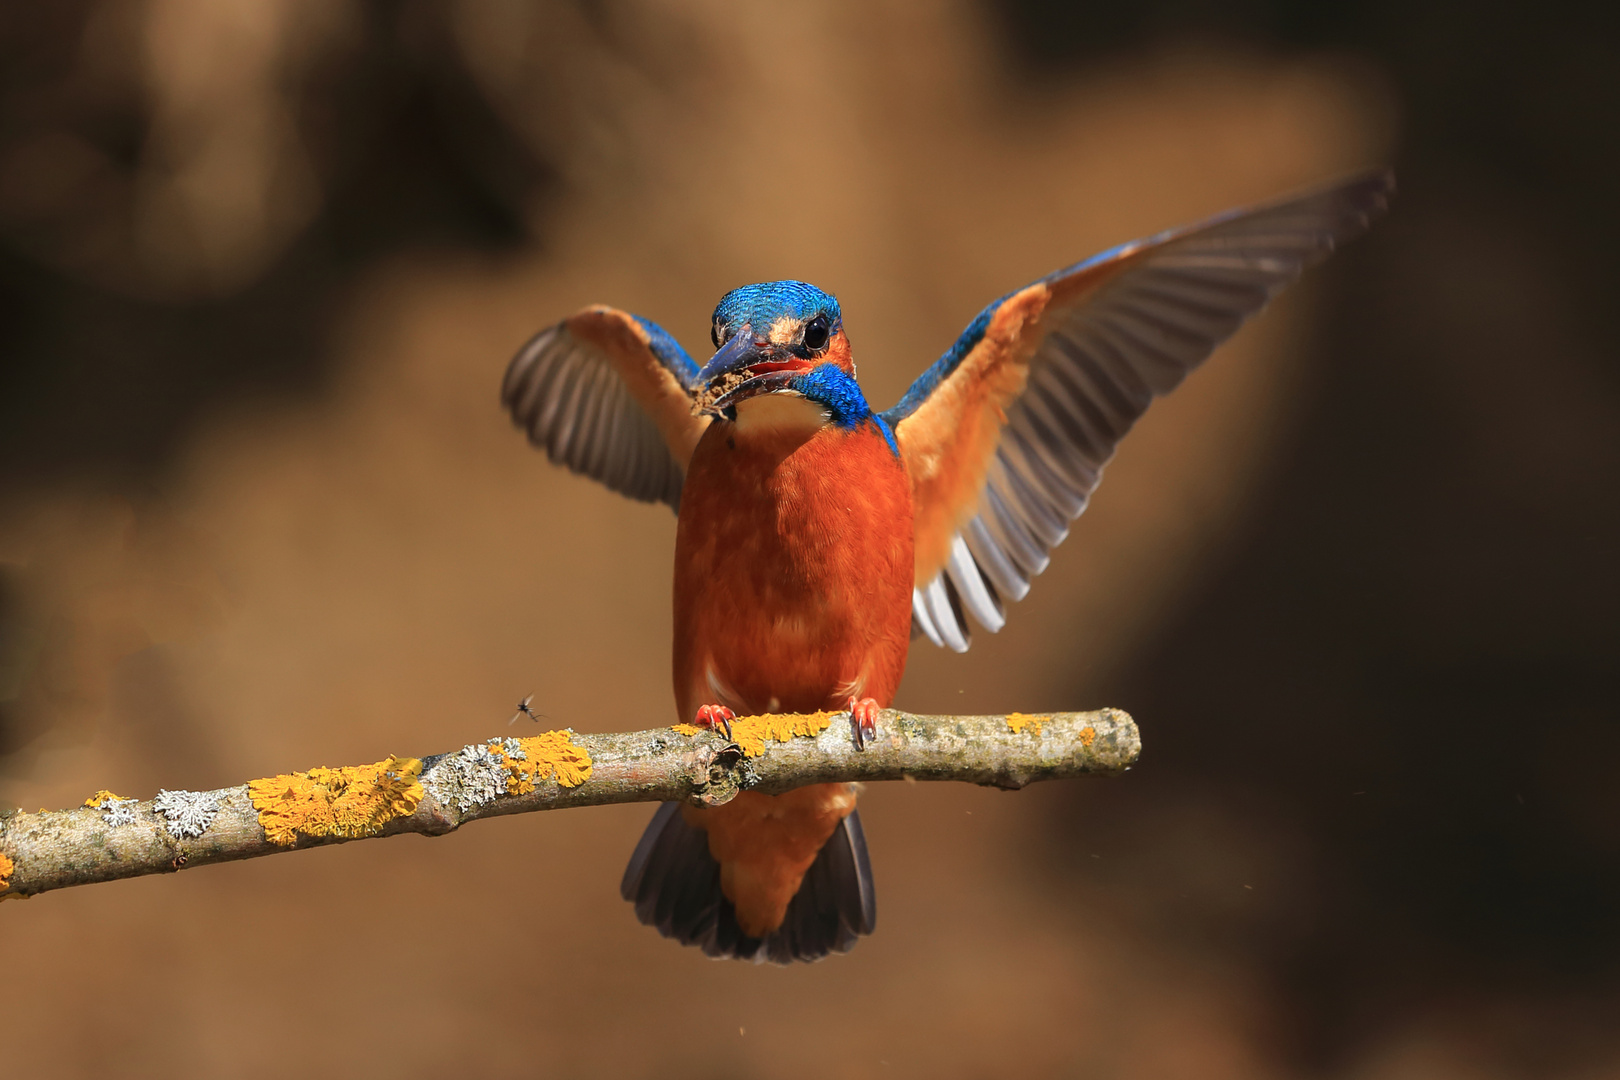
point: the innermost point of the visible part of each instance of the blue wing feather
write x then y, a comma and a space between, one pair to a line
941, 369
669, 352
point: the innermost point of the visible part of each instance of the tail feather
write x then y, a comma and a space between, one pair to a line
674, 884
670, 852
849, 869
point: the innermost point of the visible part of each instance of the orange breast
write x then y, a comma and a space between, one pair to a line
793, 576
793, 571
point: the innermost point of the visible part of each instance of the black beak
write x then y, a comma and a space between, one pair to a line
730, 375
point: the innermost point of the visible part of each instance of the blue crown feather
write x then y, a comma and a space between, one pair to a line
761, 305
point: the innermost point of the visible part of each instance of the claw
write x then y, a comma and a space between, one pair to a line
715, 716
863, 713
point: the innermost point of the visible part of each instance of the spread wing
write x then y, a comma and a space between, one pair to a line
609, 395
1007, 434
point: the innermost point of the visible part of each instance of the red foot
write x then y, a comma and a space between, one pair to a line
715, 716
863, 713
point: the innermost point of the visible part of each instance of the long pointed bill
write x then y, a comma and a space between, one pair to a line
744, 367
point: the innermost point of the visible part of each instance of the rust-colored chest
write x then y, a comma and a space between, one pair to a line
793, 570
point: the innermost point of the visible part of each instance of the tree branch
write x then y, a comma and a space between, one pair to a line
110, 838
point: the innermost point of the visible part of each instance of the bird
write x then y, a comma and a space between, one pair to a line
816, 537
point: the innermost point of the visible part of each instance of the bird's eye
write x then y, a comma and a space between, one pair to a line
815, 334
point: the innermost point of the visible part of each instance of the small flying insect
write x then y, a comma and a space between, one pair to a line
524, 710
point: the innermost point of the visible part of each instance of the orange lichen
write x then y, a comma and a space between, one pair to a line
1018, 721
102, 798
553, 753
350, 802
751, 732
6, 867
688, 730
1087, 735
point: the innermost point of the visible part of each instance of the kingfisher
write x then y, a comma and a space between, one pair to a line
817, 538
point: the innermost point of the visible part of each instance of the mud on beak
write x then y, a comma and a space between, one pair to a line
745, 367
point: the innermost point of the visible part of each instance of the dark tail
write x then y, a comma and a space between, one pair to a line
675, 884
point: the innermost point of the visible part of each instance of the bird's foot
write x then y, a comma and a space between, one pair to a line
863, 714
715, 716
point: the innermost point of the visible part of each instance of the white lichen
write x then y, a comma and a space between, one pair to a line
189, 813
472, 776
119, 811
512, 748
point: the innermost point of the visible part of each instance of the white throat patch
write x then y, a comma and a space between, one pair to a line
780, 412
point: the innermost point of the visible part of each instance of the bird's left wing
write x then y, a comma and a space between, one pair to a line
609, 395
1006, 436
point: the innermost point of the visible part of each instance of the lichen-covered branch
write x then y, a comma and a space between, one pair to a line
110, 837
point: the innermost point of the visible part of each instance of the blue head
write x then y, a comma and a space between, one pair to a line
770, 303
781, 337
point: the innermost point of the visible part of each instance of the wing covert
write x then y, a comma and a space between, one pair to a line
608, 395
1007, 434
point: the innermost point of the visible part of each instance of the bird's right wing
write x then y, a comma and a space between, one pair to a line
609, 395
1006, 436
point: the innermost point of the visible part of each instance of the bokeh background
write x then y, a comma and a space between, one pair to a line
262, 264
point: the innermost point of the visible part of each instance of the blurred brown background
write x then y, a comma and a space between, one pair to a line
262, 264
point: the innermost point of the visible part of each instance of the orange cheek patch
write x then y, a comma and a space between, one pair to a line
838, 353
765, 843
